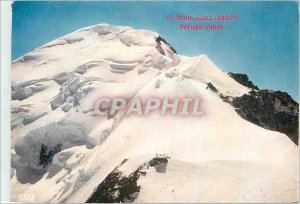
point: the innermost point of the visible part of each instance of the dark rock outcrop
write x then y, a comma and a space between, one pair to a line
159, 40
212, 87
243, 79
47, 153
116, 187
273, 110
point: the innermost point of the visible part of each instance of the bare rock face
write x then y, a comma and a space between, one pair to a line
118, 188
159, 39
47, 153
244, 80
273, 110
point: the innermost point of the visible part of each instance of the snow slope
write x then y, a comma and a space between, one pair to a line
218, 157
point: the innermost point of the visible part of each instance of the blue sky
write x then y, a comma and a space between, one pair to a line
263, 43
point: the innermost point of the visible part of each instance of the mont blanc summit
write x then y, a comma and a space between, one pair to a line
62, 151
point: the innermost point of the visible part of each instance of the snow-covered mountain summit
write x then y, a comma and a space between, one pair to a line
60, 146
